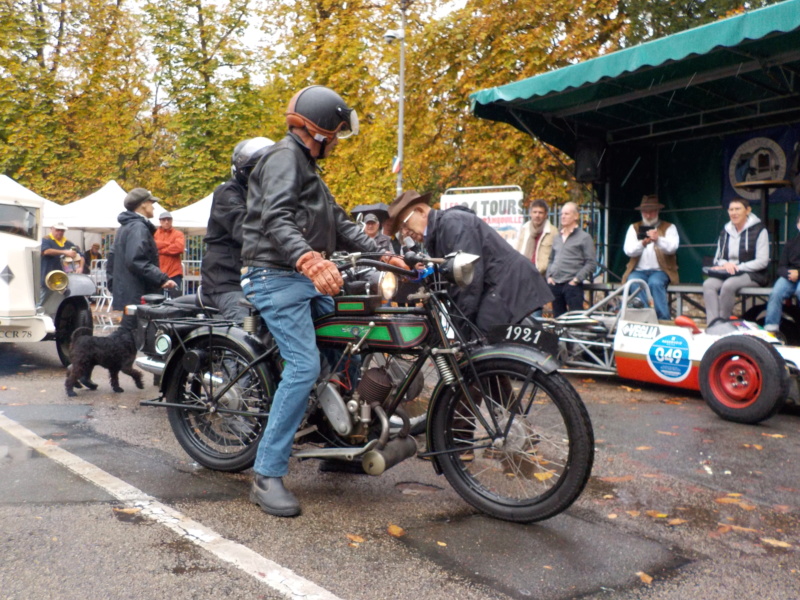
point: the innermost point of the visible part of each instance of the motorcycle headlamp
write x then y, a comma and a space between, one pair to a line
388, 285
162, 343
459, 268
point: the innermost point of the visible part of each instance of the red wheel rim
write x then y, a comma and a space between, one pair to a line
735, 380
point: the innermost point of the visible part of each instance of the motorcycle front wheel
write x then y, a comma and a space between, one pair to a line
218, 440
522, 452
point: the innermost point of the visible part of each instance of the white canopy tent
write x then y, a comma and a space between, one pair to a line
193, 219
98, 212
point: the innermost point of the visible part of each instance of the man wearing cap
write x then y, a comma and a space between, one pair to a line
372, 227
133, 262
651, 245
506, 286
57, 248
171, 245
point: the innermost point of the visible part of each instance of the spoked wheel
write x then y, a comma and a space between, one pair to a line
525, 452
743, 379
218, 440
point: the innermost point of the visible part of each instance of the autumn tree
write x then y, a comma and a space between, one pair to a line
205, 88
490, 43
72, 87
647, 20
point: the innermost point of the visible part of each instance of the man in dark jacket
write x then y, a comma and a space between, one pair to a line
133, 265
221, 268
506, 286
786, 284
292, 226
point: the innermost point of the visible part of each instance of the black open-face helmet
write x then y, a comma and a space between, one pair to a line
323, 113
245, 155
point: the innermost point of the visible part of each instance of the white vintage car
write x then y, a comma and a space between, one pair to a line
28, 313
744, 373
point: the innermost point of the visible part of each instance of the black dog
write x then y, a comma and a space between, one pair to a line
115, 352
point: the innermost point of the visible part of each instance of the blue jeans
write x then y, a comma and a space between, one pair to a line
657, 281
288, 303
781, 290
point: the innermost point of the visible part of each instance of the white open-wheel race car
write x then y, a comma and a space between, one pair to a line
743, 372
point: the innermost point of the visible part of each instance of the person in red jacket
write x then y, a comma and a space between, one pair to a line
171, 245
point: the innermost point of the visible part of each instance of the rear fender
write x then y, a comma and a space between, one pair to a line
539, 360
249, 345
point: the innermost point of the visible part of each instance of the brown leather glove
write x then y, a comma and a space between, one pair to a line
394, 260
322, 273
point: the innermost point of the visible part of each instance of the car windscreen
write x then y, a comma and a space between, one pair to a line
19, 220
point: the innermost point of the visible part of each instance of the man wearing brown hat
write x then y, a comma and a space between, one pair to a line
651, 245
133, 262
506, 286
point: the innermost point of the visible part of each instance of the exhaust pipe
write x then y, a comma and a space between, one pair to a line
397, 450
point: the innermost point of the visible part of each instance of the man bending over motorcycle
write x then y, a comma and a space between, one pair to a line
506, 286
292, 226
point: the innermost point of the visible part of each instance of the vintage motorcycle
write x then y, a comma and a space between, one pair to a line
509, 432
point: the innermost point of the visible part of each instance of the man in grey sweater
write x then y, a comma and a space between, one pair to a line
571, 262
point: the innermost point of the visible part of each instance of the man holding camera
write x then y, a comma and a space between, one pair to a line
651, 245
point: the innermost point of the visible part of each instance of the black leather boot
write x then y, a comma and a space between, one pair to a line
273, 498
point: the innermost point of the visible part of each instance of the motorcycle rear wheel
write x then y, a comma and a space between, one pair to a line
217, 440
543, 448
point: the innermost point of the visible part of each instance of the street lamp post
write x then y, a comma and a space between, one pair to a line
390, 36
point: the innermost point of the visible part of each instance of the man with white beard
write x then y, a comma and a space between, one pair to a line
651, 245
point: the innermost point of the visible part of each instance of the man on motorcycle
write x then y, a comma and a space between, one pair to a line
292, 226
506, 286
220, 271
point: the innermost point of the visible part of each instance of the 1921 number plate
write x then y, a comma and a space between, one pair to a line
525, 334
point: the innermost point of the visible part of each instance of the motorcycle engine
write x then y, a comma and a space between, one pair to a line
375, 386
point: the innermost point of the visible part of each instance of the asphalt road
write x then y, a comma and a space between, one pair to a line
97, 500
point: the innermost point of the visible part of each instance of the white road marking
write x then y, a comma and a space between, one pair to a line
279, 578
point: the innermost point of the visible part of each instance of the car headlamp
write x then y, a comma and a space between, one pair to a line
56, 281
388, 285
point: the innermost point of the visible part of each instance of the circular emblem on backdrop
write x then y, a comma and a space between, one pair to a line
756, 159
669, 358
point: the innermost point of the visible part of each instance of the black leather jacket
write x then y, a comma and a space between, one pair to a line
290, 211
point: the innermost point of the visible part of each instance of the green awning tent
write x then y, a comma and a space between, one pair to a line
656, 118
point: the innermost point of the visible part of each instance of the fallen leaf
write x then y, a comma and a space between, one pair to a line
587, 380
633, 513
741, 529
773, 435
676, 522
655, 514
612, 516
776, 543
443, 544
352, 544
667, 432
3, 387
644, 577
758, 447
676, 401
747, 506
355, 538
396, 531
630, 389
727, 501
782, 508
724, 529
735, 495
619, 479
644, 447
127, 511
547, 567
608, 496
651, 475
542, 476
